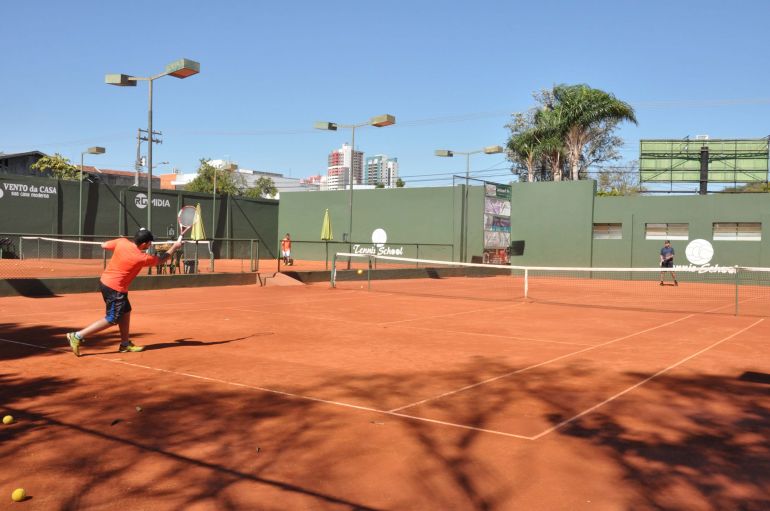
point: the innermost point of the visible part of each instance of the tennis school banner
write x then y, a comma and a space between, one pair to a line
497, 222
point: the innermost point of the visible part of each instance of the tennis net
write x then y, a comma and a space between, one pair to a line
54, 257
719, 290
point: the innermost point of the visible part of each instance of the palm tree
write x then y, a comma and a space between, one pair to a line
580, 110
524, 149
549, 133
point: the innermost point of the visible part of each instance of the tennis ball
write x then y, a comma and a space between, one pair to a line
18, 495
360, 272
8, 419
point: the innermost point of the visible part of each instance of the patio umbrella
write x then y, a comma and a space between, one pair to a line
326, 234
198, 233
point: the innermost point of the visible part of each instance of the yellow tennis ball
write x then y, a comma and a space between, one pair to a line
360, 272
18, 495
8, 419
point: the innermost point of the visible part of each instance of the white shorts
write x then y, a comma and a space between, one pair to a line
286, 253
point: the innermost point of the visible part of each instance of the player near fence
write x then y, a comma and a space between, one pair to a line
286, 250
667, 261
127, 261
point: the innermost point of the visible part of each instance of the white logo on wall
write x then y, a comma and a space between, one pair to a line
379, 238
140, 201
699, 253
1, 193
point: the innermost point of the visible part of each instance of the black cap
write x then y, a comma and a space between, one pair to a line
143, 236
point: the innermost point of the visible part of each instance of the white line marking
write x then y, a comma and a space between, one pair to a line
495, 378
499, 336
473, 311
629, 389
279, 392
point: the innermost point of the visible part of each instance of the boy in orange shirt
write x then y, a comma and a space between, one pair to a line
127, 261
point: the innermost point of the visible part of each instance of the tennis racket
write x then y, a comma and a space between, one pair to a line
186, 219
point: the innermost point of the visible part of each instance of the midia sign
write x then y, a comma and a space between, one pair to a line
140, 201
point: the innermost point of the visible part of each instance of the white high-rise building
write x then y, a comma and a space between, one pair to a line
340, 161
381, 169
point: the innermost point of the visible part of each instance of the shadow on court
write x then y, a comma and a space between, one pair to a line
108, 433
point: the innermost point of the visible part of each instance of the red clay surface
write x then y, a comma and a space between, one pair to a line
293, 398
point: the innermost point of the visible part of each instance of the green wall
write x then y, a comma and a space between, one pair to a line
555, 221
410, 216
43, 206
699, 211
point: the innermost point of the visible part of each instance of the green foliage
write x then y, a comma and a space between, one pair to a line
400, 183
619, 181
571, 128
227, 182
380, 185
760, 187
264, 187
58, 166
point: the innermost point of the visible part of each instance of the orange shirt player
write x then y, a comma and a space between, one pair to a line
128, 259
286, 250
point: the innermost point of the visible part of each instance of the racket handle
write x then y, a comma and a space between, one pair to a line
180, 239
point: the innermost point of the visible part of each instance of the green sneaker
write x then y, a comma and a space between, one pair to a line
130, 347
74, 343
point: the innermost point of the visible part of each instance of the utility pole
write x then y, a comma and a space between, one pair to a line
142, 137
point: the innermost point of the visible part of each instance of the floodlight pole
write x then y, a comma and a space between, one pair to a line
464, 208
379, 121
90, 150
179, 69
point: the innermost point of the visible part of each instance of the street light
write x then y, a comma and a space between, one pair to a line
181, 68
446, 153
90, 150
379, 121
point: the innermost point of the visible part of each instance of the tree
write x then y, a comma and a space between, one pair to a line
380, 185
523, 148
618, 181
584, 113
263, 187
58, 166
759, 187
400, 183
571, 128
227, 182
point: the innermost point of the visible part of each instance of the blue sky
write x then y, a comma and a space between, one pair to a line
451, 72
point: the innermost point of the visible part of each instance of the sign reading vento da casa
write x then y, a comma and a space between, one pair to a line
25, 190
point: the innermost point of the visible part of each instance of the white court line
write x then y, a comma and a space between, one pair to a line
165, 305
629, 389
449, 315
278, 392
495, 378
498, 336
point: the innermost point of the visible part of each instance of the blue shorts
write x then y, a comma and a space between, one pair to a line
116, 303
668, 263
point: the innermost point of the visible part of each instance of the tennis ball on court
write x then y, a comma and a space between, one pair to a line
8, 419
19, 494
360, 272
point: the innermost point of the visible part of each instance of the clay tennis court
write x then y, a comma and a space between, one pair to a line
306, 397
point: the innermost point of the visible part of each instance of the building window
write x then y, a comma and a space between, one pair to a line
608, 231
737, 231
667, 231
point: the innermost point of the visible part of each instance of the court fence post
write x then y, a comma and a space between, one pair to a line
333, 273
526, 282
736, 289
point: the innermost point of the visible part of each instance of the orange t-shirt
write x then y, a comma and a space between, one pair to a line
126, 263
286, 244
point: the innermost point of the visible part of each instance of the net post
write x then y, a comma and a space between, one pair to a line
104, 259
333, 273
736, 289
369, 275
21, 247
526, 282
